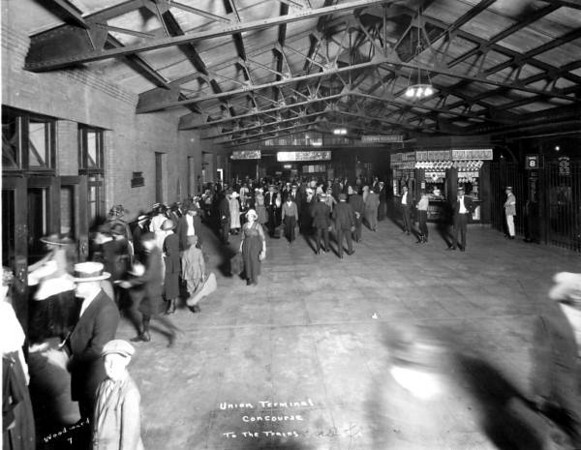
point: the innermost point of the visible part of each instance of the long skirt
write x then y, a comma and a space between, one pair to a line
251, 248
262, 214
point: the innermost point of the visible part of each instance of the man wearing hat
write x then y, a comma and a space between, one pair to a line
356, 202
139, 229
97, 325
271, 202
117, 421
510, 211
321, 214
189, 225
463, 208
344, 224
171, 255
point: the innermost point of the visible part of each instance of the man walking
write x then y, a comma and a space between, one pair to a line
321, 214
356, 202
344, 224
462, 209
406, 203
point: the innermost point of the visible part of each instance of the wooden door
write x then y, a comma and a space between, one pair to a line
74, 212
15, 241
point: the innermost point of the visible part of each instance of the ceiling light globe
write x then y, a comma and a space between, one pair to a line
410, 92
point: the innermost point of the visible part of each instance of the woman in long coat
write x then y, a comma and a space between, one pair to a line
193, 268
171, 253
371, 207
234, 205
260, 208
252, 247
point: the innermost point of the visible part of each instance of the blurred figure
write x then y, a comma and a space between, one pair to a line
54, 308
146, 293
557, 347
18, 431
117, 416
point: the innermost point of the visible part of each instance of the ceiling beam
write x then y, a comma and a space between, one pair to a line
190, 124
74, 57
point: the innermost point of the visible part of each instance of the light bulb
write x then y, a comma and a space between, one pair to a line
420, 92
409, 92
428, 91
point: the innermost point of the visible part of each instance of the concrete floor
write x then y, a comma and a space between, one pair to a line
317, 334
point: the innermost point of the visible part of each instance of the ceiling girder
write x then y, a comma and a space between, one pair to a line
72, 56
207, 123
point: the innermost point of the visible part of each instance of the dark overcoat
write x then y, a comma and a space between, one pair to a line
95, 328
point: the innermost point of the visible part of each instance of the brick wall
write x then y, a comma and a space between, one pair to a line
82, 96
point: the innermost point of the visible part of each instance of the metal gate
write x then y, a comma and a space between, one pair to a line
560, 183
548, 201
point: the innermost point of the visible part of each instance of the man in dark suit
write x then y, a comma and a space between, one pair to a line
321, 214
140, 229
463, 208
97, 325
224, 214
189, 225
406, 204
270, 201
344, 224
356, 202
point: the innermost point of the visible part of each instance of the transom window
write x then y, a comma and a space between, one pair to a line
91, 149
28, 141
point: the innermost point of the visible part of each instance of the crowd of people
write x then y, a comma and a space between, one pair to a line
142, 269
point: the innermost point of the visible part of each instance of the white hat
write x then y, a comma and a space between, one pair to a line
252, 212
89, 271
118, 346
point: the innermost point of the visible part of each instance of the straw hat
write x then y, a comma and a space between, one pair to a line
89, 271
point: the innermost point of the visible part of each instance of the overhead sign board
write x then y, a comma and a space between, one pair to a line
320, 155
246, 154
381, 138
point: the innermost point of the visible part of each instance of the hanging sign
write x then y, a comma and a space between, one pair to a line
381, 138
246, 154
321, 155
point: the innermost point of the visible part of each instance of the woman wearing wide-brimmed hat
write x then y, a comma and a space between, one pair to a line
171, 257
234, 205
252, 247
